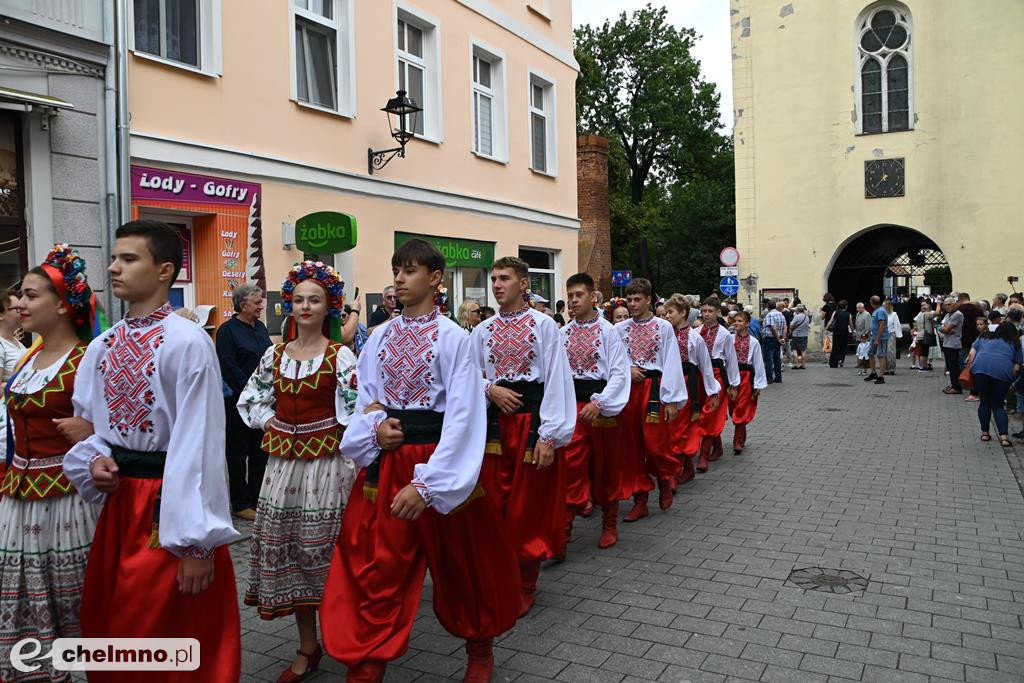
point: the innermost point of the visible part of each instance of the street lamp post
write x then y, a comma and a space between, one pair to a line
402, 112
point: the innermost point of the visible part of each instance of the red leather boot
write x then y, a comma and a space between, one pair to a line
705, 451
664, 493
479, 661
639, 510
528, 591
609, 525
570, 517
716, 448
688, 473
368, 671
739, 440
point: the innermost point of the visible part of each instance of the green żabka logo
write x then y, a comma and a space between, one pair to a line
325, 232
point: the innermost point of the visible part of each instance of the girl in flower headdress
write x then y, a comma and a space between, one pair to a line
45, 526
302, 395
616, 310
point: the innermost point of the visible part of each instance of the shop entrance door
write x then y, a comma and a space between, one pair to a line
183, 293
465, 284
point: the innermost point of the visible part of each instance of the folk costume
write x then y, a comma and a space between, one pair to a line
752, 378
152, 389
523, 351
422, 371
646, 435
719, 342
600, 375
45, 526
701, 388
303, 406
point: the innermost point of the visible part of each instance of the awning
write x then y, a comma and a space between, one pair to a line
29, 100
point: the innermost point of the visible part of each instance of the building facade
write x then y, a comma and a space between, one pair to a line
875, 145
244, 121
58, 157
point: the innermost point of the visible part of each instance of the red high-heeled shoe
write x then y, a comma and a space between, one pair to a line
313, 663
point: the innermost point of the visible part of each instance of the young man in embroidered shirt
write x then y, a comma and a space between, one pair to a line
151, 386
752, 380
722, 350
418, 435
532, 415
601, 377
657, 393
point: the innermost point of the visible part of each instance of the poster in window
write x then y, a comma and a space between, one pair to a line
10, 188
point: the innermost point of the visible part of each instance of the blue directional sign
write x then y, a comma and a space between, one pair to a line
621, 278
730, 286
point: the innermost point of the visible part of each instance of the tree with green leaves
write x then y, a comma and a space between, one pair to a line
640, 86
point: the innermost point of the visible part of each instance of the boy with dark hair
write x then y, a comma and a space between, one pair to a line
600, 374
658, 392
722, 350
532, 415
752, 380
418, 436
151, 386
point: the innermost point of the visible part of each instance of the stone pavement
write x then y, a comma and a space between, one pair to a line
890, 482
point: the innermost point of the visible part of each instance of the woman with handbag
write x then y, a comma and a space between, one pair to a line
995, 359
841, 328
924, 327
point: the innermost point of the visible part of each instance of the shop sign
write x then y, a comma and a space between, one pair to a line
325, 232
458, 253
162, 184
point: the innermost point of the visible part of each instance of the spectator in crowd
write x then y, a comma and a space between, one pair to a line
774, 331
486, 312
11, 350
787, 313
241, 343
840, 326
598, 299
895, 329
386, 312
353, 333
951, 328
1015, 298
969, 333
469, 315
799, 331
999, 303
754, 326
620, 314
693, 317
560, 312
995, 360
879, 338
862, 325
924, 336
994, 319
827, 310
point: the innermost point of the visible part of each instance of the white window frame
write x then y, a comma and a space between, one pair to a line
344, 55
499, 101
211, 56
860, 57
550, 114
555, 271
433, 128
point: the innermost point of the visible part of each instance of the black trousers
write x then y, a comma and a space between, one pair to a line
246, 460
839, 349
952, 357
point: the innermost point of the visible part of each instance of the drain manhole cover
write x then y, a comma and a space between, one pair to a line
833, 384
839, 581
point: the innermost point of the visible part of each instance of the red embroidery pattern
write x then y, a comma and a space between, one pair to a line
743, 348
683, 339
583, 345
405, 359
709, 335
643, 341
128, 368
511, 345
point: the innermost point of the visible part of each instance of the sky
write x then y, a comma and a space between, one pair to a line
709, 18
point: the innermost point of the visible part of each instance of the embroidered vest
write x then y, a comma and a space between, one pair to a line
709, 335
583, 345
683, 339
743, 348
37, 469
305, 423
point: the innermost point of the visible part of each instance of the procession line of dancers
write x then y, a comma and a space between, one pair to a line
466, 454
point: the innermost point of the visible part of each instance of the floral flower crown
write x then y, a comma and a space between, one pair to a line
612, 304
321, 272
441, 299
72, 268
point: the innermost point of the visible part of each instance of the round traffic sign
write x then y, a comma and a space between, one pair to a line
729, 285
729, 256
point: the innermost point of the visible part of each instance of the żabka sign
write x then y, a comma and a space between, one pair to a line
325, 232
162, 184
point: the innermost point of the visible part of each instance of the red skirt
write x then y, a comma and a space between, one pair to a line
592, 468
131, 591
744, 406
712, 420
376, 577
646, 443
530, 500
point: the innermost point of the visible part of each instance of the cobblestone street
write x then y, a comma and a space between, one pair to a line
890, 482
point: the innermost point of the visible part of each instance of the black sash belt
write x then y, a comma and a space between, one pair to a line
134, 464
691, 373
585, 388
654, 397
718, 363
749, 368
532, 395
418, 427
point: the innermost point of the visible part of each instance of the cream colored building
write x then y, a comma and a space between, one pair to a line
875, 141
248, 115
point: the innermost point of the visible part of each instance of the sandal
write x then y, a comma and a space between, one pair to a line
951, 390
985, 436
1005, 442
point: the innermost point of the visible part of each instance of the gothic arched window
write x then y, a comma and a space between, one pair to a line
884, 76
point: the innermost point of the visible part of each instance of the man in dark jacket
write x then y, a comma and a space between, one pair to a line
971, 313
241, 343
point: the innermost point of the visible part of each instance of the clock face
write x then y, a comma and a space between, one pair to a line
884, 178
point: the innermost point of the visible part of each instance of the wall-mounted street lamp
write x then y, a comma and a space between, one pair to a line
402, 112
